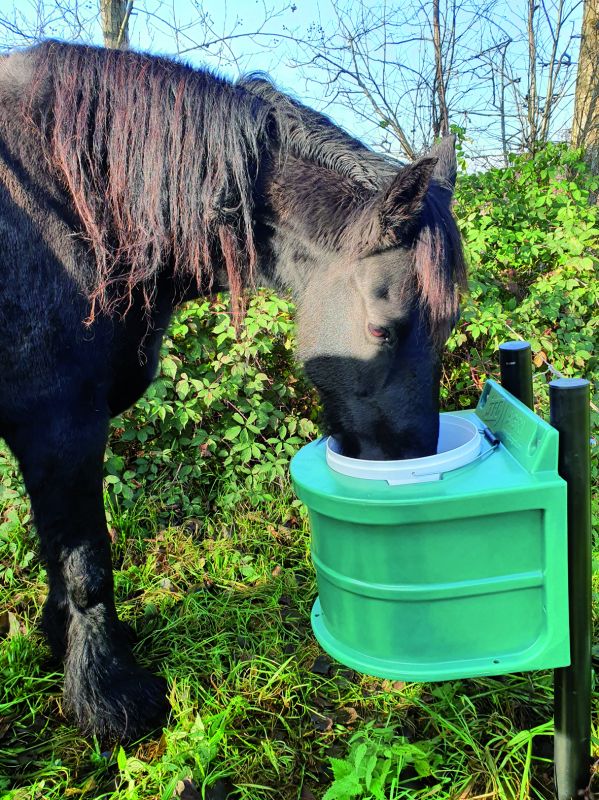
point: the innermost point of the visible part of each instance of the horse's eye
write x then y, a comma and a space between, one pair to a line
383, 334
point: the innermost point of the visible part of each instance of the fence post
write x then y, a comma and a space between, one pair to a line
515, 362
569, 413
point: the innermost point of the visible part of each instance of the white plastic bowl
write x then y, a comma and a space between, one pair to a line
459, 443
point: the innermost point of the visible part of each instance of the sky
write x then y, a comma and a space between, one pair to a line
178, 27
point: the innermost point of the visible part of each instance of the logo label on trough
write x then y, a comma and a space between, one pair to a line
529, 438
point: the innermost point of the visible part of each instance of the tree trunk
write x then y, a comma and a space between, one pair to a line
585, 125
115, 22
532, 80
439, 74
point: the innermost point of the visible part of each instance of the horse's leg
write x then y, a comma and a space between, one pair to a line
105, 691
55, 614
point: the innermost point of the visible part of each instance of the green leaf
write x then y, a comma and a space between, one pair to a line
232, 433
358, 756
169, 368
121, 759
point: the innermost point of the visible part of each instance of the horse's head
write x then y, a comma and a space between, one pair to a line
373, 321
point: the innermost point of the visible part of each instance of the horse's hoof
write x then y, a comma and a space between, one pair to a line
120, 702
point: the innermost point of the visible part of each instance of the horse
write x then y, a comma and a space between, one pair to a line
130, 184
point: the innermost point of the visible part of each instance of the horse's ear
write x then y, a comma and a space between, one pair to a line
401, 203
446, 169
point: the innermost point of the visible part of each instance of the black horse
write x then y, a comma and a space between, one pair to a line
129, 184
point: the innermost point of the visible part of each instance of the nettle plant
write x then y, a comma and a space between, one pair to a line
379, 763
224, 415
532, 239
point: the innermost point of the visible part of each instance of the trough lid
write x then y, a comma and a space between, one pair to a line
531, 440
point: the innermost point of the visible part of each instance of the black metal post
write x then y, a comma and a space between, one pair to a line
515, 362
569, 402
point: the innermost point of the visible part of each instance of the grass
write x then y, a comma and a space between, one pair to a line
221, 608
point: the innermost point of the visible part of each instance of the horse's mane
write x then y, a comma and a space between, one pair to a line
439, 261
159, 160
162, 160
311, 135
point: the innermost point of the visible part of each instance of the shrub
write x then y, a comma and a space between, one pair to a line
224, 415
532, 241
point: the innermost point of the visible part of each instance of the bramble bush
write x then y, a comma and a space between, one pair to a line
532, 241
227, 411
224, 415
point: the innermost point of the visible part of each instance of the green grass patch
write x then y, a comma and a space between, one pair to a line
221, 608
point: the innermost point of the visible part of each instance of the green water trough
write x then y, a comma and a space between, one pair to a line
458, 574
457, 565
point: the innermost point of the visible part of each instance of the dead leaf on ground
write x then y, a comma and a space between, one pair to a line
321, 723
346, 716
467, 793
151, 751
5, 726
346, 675
540, 358
321, 701
9, 625
396, 686
186, 790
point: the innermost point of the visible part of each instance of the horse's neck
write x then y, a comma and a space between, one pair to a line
313, 209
